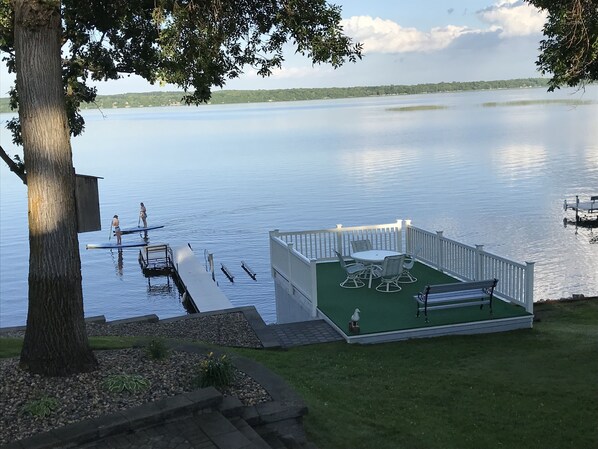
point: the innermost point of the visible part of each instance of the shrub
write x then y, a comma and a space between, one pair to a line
132, 383
157, 350
41, 407
215, 372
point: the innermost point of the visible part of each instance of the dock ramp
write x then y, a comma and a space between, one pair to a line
201, 290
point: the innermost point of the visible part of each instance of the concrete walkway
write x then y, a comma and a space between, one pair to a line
291, 334
305, 333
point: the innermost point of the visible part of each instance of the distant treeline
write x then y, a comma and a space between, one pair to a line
154, 99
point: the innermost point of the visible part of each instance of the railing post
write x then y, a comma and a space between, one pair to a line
399, 239
408, 238
314, 288
273, 234
289, 271
439, 252
478, 269
529, 287
339, 239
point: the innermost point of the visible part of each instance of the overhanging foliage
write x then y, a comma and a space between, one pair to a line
192, 44
569, 50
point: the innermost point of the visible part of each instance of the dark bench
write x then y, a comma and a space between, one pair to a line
458, 294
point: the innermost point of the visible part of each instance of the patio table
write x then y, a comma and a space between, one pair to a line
371, 257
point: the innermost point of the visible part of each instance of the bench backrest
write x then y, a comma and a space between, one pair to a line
460, 286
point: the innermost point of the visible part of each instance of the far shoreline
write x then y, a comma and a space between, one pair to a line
175, 98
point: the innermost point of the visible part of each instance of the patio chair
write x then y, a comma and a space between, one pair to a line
361, 245
366, 245
392, 267
353, 272
406, 276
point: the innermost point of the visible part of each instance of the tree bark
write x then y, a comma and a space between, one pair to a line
56, 341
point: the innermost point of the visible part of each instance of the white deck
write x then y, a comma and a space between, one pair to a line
200, 287
478, 327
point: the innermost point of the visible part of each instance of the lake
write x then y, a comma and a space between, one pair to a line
490, 168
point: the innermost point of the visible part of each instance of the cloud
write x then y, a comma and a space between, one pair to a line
297, 72
513, 18
385, 36
290, 72
505, 19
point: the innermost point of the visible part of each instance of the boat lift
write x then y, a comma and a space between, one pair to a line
586, 212
586, 215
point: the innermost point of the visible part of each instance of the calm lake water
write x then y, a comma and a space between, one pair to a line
220, 177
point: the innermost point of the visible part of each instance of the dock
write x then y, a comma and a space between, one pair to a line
199, 287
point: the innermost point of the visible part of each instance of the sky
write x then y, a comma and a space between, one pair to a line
404, 42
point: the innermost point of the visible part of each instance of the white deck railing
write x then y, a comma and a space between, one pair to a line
321, 244
471, 263
298, 271
293, 256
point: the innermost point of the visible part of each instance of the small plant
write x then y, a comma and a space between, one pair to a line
157, 350
41, 407
132, 383
215, 372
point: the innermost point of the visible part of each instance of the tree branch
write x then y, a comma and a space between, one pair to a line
19, 170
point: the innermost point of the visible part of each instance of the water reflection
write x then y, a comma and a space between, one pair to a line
515, 162
491, 176
159, 285
120, 263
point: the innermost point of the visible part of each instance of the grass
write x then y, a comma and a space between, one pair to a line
533, 388
567, 102
423, 107
11, 347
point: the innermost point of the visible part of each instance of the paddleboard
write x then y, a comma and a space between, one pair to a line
139, 229
112, 245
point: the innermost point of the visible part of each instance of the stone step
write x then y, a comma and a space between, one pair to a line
250, 433
277, 441
202, 418
231, 407
222, 432
274, 441
309, 445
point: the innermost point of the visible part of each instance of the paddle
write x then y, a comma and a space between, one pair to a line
110, 235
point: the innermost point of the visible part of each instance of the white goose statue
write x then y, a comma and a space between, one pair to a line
355, 317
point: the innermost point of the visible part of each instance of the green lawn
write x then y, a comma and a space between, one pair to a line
534, 388
11, 347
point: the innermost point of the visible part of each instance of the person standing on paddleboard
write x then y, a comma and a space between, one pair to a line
117, 232
143, 215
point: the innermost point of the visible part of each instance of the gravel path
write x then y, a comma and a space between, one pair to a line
84, 396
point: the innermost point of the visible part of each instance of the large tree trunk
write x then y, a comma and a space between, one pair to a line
55, 341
